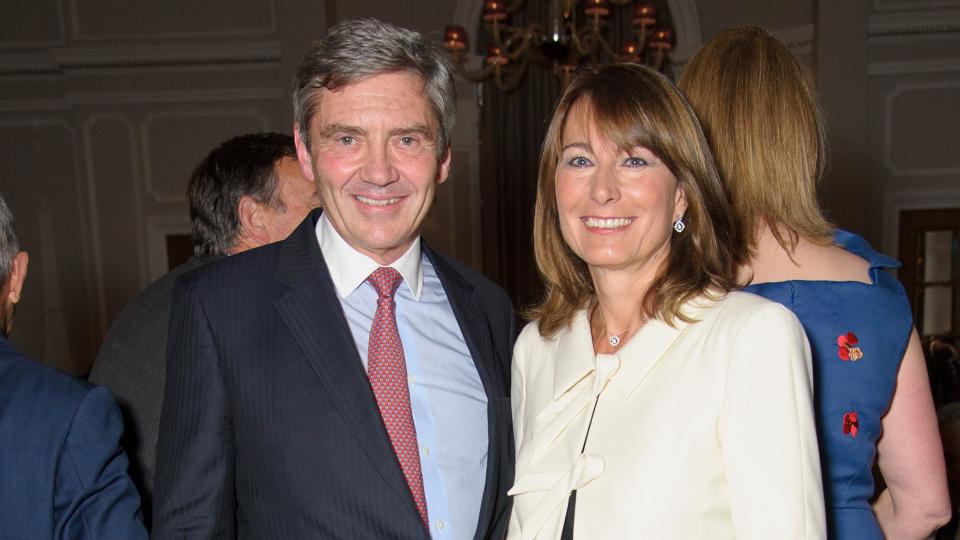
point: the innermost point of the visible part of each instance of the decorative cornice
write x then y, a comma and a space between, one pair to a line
60, 60
916, 23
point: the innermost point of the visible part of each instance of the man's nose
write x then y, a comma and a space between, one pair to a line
379, 168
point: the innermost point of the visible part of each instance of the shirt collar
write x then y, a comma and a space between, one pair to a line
349, 268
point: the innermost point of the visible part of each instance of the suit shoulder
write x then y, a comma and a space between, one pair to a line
226, 271
482, 283
27, 384
149, 309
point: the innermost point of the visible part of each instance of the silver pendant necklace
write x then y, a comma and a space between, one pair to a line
616, 338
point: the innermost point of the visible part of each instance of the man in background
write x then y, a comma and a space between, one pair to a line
247, 192
62, 472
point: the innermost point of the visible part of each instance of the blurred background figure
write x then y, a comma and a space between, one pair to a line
62, 472
759, 111
247, 192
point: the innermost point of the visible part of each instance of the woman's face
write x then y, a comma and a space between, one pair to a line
616, 208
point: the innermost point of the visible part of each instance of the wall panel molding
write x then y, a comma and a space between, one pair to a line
900, 5
888, 128
91, 176
269, 27
914, 23
59, 41
176, 96
110, 59
914, 67
149, 185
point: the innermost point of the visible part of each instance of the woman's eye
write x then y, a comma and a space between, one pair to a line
634, 162
578, 161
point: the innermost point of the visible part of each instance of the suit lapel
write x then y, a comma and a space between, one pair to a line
476, 332
313, 314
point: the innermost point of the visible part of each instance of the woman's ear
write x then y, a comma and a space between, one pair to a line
680, 203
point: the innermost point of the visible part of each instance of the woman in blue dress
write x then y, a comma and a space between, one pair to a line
872, 398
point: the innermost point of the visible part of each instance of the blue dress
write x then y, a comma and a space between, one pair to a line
858, 333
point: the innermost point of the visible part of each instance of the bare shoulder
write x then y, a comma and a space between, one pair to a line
832, 263
809, 262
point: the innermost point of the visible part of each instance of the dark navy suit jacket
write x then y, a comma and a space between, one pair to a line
62, 473
269, 427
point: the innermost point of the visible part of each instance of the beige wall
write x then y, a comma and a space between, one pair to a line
105, 106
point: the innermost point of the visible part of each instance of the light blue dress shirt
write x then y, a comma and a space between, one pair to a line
447, 396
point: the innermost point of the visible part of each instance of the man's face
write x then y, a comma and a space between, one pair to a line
299, 197
374, 160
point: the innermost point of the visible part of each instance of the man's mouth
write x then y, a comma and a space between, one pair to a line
377, 202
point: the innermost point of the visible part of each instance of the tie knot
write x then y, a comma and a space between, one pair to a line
385, 280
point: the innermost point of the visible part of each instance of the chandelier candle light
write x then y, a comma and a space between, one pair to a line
575, 34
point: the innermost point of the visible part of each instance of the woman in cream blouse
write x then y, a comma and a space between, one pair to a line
650, 401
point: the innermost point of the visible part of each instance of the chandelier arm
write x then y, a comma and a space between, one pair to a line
575, 40
472, 76
658, 60
606, 48
513, 83
498, 77
515, 6
521, 49
496, 33
477, 76
641, 39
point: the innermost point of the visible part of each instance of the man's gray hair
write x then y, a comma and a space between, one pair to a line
9, 247
359, 48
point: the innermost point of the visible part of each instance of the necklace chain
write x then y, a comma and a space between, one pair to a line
616, 338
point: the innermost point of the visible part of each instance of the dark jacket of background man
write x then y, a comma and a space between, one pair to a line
247, 192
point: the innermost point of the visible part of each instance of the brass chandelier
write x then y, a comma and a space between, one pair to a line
576, 33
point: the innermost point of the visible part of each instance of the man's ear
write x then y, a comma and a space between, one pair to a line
253, 225
303, 154
18, 274
444, 169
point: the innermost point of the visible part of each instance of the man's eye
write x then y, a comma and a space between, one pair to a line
346, 140
408, 141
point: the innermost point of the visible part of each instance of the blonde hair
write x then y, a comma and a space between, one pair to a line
635, 106
758, 108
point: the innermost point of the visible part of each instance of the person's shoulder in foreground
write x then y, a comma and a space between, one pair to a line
62, 473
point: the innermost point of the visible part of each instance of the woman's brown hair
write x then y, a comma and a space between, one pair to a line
635, 106
758, 108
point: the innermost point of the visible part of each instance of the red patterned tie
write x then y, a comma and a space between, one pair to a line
387, 370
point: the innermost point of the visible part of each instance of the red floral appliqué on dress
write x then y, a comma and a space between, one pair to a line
851, 423
847, 349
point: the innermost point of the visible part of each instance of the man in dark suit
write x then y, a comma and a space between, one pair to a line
62, 472
348, 382
247, 192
